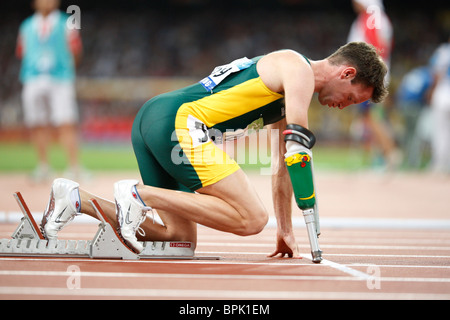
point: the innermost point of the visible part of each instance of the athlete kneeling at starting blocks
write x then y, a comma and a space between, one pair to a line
188, 180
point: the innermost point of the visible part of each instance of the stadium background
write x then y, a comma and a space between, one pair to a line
133, 50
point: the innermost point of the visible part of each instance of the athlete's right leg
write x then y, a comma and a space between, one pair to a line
229, 205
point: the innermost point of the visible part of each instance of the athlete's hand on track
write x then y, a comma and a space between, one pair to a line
286, 245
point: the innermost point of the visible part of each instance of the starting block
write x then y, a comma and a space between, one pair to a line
28, 240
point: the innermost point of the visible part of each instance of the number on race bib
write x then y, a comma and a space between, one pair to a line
221, 72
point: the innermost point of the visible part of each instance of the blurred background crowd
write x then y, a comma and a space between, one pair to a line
135, 49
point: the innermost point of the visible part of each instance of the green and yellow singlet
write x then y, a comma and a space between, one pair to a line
171, 133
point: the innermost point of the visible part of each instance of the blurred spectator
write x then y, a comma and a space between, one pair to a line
48, 50
440, 104
373, 26
412, 102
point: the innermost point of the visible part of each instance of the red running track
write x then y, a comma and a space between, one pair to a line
358, 264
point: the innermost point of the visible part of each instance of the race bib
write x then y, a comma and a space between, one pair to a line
197, 130
221, 72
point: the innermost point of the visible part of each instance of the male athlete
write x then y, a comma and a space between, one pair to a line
189, 180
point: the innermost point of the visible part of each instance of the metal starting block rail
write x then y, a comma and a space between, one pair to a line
28, 240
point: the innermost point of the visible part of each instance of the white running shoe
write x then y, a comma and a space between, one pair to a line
64, 204
131, 212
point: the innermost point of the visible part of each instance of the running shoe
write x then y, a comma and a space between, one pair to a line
131, 212
64, 204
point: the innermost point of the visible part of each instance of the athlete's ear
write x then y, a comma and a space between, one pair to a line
349, 73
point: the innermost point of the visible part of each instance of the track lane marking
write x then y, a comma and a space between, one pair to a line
217, 294
326, 246
340, 267
139, 275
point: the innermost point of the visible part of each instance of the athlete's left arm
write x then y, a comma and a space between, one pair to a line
282, 194
286, 72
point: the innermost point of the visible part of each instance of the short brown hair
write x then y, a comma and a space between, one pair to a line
370, 67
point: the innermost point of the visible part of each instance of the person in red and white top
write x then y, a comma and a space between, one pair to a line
374, 27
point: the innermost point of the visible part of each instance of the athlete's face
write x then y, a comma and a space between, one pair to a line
339, 92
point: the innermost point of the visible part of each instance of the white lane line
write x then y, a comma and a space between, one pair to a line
340, 267
353, 277
325, 246
396, 266
378, 247
216, 294
337, 223
269, 262
176, 275
328, 239
388, 255
333, 254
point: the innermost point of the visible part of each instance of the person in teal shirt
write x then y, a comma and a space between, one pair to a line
49, 51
